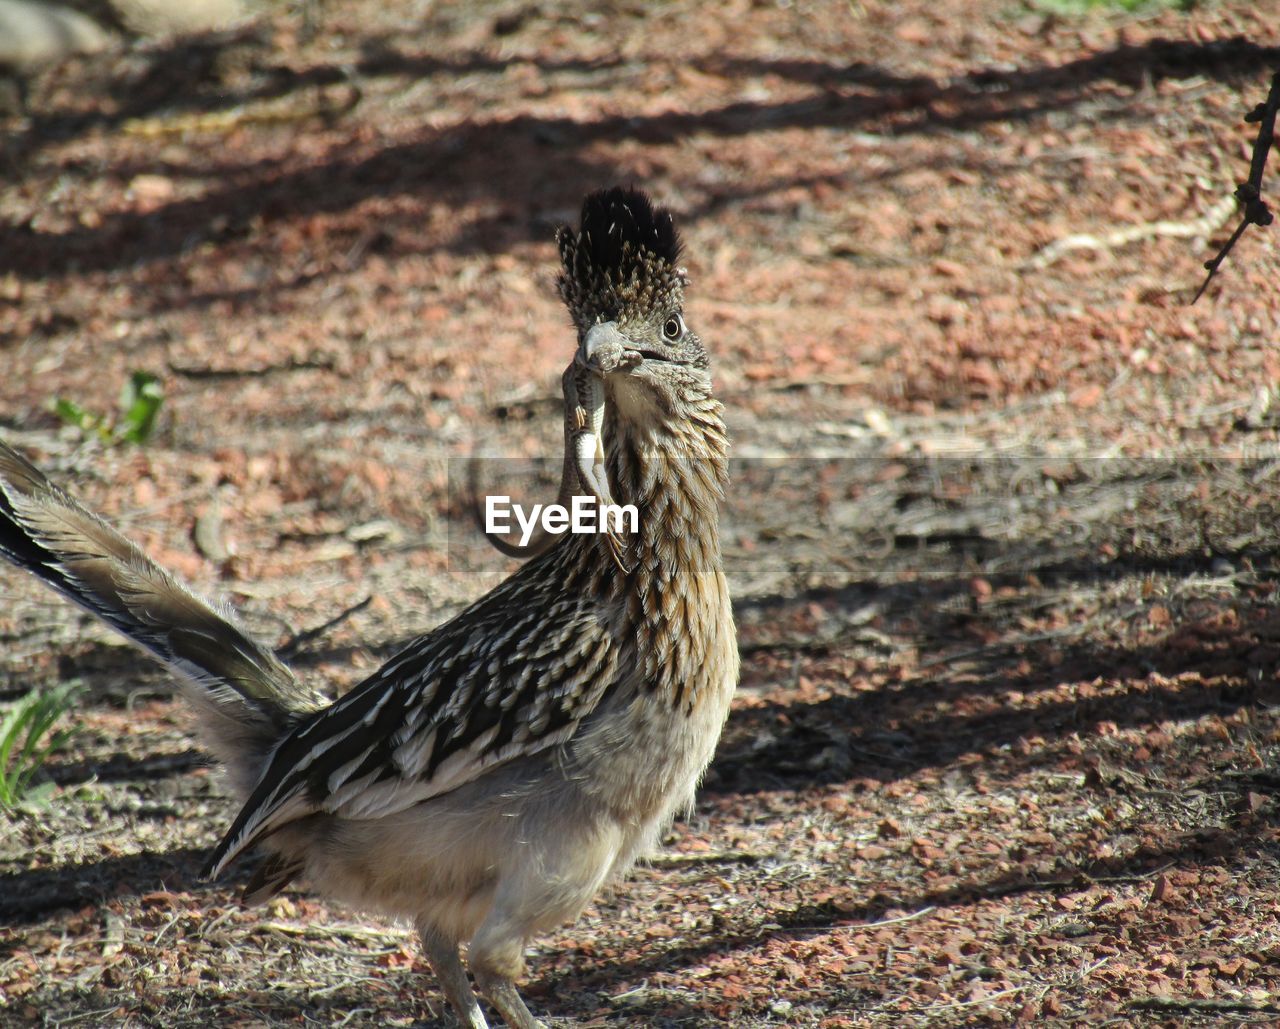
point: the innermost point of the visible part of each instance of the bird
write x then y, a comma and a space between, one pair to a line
499, 770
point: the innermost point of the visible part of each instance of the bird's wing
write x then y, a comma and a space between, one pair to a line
510, 676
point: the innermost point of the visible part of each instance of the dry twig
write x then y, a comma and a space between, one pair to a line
1207, 224
1249, 193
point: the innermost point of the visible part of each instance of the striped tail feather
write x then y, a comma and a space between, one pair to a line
247, 699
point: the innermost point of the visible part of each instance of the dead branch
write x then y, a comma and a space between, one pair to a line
1249, 193
1207, 224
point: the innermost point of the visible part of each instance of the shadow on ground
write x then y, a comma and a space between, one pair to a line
486, 161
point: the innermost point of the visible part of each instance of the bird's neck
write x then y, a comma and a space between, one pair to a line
674, 470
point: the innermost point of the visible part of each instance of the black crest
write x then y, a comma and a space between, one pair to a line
612, 218
622, 260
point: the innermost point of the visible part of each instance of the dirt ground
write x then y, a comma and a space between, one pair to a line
1004, 536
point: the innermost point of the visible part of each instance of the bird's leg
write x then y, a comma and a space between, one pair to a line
496, 957
500, 991
504, 996
442, 956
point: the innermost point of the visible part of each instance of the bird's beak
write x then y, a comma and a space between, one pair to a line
603, 349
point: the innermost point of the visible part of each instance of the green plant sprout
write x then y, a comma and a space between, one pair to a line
27, 738
138, 408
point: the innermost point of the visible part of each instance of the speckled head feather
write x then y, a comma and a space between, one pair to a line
622, 261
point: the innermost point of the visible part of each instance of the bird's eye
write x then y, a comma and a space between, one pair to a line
674, 328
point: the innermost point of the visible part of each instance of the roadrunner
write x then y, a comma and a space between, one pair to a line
490, 778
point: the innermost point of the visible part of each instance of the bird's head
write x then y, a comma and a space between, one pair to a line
624, 288
638, 390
